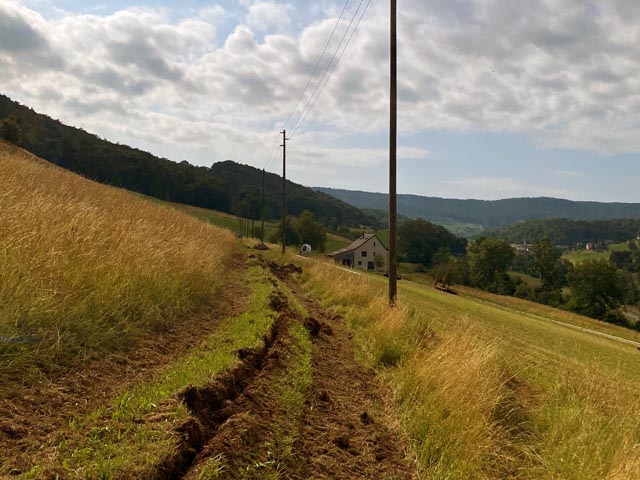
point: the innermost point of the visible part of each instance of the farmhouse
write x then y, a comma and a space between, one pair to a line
365, 253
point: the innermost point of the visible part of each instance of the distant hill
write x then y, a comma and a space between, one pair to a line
569, 232
226, 186
488, 213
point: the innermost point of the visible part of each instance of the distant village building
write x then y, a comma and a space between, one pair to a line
590, 246
521, 247
365, 253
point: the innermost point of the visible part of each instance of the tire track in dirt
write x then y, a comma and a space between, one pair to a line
213, 404
348, 430
344, 430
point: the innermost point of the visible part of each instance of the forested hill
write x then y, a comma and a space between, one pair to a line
570, 232
245, 182
226, 186
496, 213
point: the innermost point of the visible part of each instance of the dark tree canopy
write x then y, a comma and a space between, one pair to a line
596, 288
311, 231
423, 242
546, 262
489, 260
226, 186
569, 232
10, 131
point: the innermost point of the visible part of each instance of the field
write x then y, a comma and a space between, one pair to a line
488, 390
139, 342
232, 223
579, 256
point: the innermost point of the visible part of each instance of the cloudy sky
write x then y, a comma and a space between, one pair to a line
498, 98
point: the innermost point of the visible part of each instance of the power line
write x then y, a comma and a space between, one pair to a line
272, 158
331, 67
328, 67
315, 69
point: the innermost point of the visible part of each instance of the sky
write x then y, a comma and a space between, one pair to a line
497, 99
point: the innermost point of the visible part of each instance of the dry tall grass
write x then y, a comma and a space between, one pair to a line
470, 409
86, 268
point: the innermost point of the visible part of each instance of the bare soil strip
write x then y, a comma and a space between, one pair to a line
343, 429
32, 415
348, 431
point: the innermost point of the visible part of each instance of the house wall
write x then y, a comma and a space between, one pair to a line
344, 259
371, 247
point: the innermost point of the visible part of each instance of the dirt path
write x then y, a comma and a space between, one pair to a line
347, 430
341, 430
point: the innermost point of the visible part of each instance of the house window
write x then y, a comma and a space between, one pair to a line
371, 266
364, 253
374, 244
359, 263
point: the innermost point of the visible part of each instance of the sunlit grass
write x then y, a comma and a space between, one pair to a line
87, 269
487, 391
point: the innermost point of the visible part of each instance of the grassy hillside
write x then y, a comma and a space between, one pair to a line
488, 213
89, 269
579, 256
490, 390
232, 223
226, 186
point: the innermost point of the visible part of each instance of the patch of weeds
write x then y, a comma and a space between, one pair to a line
215, 467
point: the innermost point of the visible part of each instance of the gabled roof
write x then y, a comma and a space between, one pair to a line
356, 244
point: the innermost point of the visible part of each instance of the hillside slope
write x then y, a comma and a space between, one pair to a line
227, 186
570, 232
89, 269
495, 213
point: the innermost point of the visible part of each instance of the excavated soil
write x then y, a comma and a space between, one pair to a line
343, 429
346, 430
33, 414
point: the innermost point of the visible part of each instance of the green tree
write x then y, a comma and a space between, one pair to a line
545, 263
419, 242
597, 288
489, 260
10, 131
292, 236
311, 231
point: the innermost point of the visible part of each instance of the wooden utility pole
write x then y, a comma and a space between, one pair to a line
284, 182
253, 212
393, 143
262, 211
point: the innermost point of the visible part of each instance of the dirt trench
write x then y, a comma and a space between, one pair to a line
243, 430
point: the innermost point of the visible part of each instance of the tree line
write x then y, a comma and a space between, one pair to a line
562, 231
488, 213
225, 186
597, 289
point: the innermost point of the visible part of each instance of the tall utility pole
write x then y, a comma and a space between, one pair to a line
284, 182
393, 143
262, 211
253, 212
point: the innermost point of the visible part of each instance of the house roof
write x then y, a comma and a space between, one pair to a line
355, 244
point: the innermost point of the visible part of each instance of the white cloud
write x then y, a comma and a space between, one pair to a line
269, 17
566, 73
502, 187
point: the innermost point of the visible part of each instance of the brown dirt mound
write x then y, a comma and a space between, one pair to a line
211, 405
